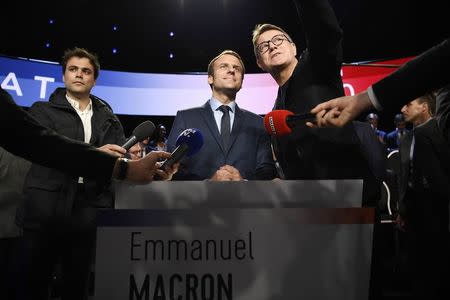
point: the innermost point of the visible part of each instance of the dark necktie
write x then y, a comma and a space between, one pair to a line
225, 125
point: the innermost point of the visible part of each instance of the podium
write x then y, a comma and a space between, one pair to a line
235, 240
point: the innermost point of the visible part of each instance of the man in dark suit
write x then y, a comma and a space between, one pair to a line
394, 137
19, 129
304, 81
431, 174
412, 201
431, 185
236, 146
418, 112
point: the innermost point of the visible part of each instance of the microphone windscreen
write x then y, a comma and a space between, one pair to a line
143, 130
275, 122
193, 138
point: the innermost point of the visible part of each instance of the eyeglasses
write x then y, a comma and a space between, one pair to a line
277, 40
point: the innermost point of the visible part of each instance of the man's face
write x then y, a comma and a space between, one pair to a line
162, 131
373, 122
79, 76
401, 125
274, 56
227, 74
413, 111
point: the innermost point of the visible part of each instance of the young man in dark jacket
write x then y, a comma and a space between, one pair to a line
58, 214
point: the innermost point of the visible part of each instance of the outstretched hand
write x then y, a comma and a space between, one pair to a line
144, 170
339, 111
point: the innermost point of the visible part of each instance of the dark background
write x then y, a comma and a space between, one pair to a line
373, 30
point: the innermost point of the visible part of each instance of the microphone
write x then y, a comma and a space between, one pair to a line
140, 133
280, 122
188, 143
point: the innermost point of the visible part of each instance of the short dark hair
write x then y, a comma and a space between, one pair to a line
399, 118
82, 53
430, 100
372, 116
225, 52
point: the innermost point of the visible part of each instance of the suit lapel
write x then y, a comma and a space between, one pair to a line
405, 149
210, 122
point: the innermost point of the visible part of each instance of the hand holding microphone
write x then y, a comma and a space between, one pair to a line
281, 122
188, 143
140, 133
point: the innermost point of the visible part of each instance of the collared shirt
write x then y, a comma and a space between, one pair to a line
215, 104
85, 116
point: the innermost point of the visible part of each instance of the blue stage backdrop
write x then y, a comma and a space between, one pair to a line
132, 93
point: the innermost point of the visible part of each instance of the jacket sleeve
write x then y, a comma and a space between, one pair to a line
178, 126
265, 165
20, 130
427, 72
323, 33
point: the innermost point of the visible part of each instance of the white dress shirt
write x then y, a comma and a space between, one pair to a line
85, 116
215, 104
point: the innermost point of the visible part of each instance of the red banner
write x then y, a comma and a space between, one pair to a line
357, 77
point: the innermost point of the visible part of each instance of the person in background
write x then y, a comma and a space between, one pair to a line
394, 138
372, 119
159, 143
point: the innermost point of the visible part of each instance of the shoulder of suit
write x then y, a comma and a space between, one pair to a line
250, 114
191, 110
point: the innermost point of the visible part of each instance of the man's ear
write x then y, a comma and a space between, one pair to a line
295, 49
210, 79
258, 62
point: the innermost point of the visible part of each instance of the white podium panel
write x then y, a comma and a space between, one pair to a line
277, 193
205, 240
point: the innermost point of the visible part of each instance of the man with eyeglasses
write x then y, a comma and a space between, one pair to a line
305, 81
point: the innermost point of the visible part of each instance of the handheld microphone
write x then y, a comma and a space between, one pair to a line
140, 133
281, 122
188, 143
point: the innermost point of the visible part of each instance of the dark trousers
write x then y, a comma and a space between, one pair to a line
428, 246
70, 242
9, 255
